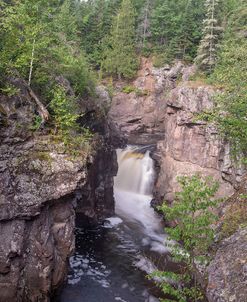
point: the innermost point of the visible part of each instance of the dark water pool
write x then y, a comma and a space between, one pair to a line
110, 265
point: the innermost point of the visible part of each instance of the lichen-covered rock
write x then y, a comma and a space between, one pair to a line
41, 187
190, 146
227, 273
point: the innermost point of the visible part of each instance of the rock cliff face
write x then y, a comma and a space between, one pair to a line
227, 273
41, 188
161, 110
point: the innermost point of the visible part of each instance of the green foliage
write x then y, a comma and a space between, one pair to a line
176, 28
230, 75
143, 26
160, 59
207, 51
74, 68
64, 109
9, 90
94, 20
36, 123
192, 212
110, 88
66, 115
128, 89
119, 52
23, 24
39, 42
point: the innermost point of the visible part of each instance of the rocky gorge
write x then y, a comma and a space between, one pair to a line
45, 191
42, 189
160, 110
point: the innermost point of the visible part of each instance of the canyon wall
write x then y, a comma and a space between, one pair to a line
42, 186
161, 109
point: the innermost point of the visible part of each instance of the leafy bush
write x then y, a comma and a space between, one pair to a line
64, 109
37, 122
128, 89
9, 90
66, 115
193, 216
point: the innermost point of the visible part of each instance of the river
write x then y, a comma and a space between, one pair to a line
112, 261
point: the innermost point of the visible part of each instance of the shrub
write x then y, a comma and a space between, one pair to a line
66, 115
192, 214
128, 89
64, 109
9, 90
234, 217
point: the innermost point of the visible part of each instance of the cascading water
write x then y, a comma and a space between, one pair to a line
136, 172
133, 193
111, 262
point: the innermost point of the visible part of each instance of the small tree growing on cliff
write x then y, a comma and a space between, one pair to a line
192, 212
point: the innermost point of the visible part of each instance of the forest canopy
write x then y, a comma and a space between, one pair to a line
41, 40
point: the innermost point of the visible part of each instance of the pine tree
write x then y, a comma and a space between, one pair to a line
230, 74
119, 55
207, 51
176, 28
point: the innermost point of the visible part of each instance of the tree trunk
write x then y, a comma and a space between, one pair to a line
31, 64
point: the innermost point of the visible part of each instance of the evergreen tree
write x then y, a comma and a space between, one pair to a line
119, 55
207, 51
25, 27
65, 21
38, 42
191, 29
176, 28
94, 21
230, 74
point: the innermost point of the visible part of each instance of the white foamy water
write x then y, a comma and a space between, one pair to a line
135, 171
133, 194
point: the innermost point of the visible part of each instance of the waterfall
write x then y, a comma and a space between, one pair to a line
133, 187
136, 171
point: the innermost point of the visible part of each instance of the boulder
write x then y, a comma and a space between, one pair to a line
227, 273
